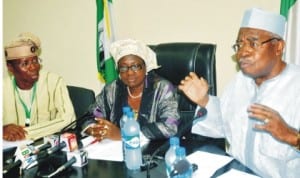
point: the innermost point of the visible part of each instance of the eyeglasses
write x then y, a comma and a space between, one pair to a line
253, 44
27, 63
134, 68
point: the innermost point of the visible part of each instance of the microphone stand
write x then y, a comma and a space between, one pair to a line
200, 113
61, 168
77, 127
44, 155
80, 119
160, 148
11, 166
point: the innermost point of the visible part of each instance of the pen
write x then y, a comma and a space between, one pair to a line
92, 142
89, 141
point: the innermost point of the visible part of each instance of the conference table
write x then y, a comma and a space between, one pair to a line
116, 169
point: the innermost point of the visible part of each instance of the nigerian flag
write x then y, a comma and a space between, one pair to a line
105, 36
291, 10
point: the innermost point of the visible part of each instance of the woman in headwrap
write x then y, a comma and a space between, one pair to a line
152, 98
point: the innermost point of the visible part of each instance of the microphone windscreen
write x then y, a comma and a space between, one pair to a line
70, 162
81, 157
61, 168
11, 166
71, 141
52, 139
56, 148
24, 154
180, 167
40, 148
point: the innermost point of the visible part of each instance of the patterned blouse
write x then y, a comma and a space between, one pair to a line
158, 115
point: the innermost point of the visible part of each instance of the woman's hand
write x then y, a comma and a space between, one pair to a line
104, 129
13, 132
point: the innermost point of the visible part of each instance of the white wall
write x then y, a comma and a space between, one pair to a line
67, 29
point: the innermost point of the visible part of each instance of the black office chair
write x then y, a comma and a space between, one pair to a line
81, 99
176, 61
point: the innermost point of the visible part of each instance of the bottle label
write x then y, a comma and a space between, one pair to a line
168, 169
132, 142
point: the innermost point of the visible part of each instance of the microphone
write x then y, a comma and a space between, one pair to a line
44, 155
87, 114
40, 148
61, 168
77, 120
11, 166
200, 113
181, 166
149, 163
56, 148
25, 155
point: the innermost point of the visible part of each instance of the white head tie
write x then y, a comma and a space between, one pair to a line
126, 47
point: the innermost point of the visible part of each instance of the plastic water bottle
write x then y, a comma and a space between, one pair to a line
170, 155
181, 168
133, 153
123, 119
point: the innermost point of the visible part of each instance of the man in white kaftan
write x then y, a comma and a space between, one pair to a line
259, 111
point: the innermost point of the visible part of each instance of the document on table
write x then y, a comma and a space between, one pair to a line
105, 150
236, 173
207, 163
9, 144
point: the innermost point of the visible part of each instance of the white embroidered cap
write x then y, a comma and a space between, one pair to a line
25, 45
263, 20
126, 47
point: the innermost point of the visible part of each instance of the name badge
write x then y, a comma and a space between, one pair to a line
27, 122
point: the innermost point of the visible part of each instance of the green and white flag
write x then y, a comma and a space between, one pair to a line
291, 10
105, 36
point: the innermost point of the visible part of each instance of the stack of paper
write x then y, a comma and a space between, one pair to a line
12, 144
105, 150
207, 163
236, 173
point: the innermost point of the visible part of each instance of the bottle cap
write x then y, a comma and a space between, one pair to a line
130, 114
174, 141
180, 151
125, 109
